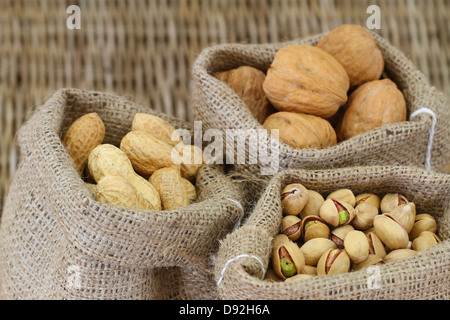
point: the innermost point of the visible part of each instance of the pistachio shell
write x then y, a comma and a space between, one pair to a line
371, 260
376, 246
313, 204
299, 277
343, 195
309, 270
390, 232
364, 215
333, 262
357, 246
391, 201
425, 240
314, 227
424, 222
368, 198
338, 234
405, 214
398, 254
330, 213
290, 226
314, 248
282, 242
293, 198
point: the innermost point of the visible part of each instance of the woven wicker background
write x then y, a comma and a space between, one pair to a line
145, 49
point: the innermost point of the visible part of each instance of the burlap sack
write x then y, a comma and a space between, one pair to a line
57, 242
219, 108
245, 253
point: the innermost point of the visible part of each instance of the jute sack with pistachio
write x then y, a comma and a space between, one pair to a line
245, 261
58, 242
221, 101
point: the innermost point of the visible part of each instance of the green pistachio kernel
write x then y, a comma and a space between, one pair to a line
309, 224
287, 267
343, 216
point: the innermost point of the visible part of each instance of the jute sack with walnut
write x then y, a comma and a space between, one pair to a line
404, 143
57, 242
244, 255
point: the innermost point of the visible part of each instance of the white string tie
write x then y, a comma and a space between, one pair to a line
239, 205
236, 258
431, 134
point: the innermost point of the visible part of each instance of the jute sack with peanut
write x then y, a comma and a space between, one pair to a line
77, 229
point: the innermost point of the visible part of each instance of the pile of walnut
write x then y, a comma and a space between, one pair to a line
343, 232
321, 94
146, 151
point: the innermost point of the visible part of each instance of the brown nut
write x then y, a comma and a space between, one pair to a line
397, 255
336, 213
406, 215
314, 248
356, 245
157, 127
425, 240
368, 198
290, 226
305, 79
390, 231
293, 198
372, 260
333, 262
314, 227
247, 82
170, 188
309, 270
302, 130
190, 158
343, 195
338, 234
287, 258
313, 204
364, 215
391, 201
357, 51
116, 191
424, 222
372, 105
376, 246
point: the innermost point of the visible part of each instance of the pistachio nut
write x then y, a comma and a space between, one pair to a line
372, 260
343, 195
376, 246
425, 240
271, 276
299, 277
390, 231
333, 261
405, 214
313, 204
368, 198
314, 248
357, 246
398, 254
290, 226
364, 214
424, 222
314, 227
287, 258
392, 200
293, 198
336, 213
338, 234
309, 270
